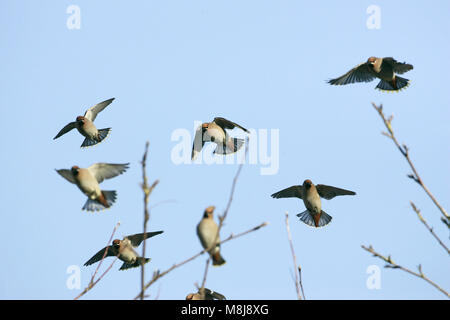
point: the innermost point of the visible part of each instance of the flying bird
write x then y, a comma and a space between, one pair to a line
88, 179
215, 131
85, 125
207, 232
385, 69
310, 194
124, 250
207, 295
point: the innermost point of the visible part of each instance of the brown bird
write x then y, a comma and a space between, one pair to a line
310, 194
124, 250
85, 125
385, 69
207, 232
88, 179
207, 295
215, 132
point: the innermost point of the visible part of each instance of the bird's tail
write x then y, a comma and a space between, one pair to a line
102, 134
232, 145
217, 259
139, 261
395, 85
105, 201
319, 220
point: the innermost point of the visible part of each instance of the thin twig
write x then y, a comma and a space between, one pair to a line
157, 274
92, 283
294, 258
405, 152
422, 219
393, 265
147, 191
225, 213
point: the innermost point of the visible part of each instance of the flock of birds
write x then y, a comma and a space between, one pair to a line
88, 179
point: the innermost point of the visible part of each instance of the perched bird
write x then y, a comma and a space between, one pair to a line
215, 132
314, 215
88, 179
207, 295
124, 250
385, 69
85, 125
207, 232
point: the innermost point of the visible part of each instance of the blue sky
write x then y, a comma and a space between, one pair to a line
263, 64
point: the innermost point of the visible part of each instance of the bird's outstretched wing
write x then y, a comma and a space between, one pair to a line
291, 192
92, 112
66, 174
360, 73
399, 67
99, 255
102, 171
198, 142
137, 238
329, 192
227, 124
67, 128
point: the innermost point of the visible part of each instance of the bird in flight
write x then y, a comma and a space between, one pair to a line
215, 131
85, 126
385, 69
310, 194
88, 180
124, 250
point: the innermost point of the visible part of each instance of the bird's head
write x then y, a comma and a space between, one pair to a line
80, 120
75, 170
116, 243
209, 212
307, 184
372, 60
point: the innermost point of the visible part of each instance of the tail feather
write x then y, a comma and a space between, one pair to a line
396, 85
107, 200
217, 259
139, 261
102, 134
232, 145
310, 220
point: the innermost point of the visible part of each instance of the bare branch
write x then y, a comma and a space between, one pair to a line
405, 152
92, 283
422, 219
225, 213
157, 275
298, 282
147, 191
393, 265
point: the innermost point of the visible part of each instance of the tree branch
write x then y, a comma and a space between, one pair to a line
298, 282
405, 152
422, 219
157, 274
147, 191
393, 265
225, 213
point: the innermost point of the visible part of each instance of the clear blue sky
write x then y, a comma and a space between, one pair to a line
262, 64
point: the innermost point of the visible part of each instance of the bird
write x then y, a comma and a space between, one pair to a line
207, 295
314, 216
88, 179
385, 69
85, 125
215, 131
124, 250
207, 232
